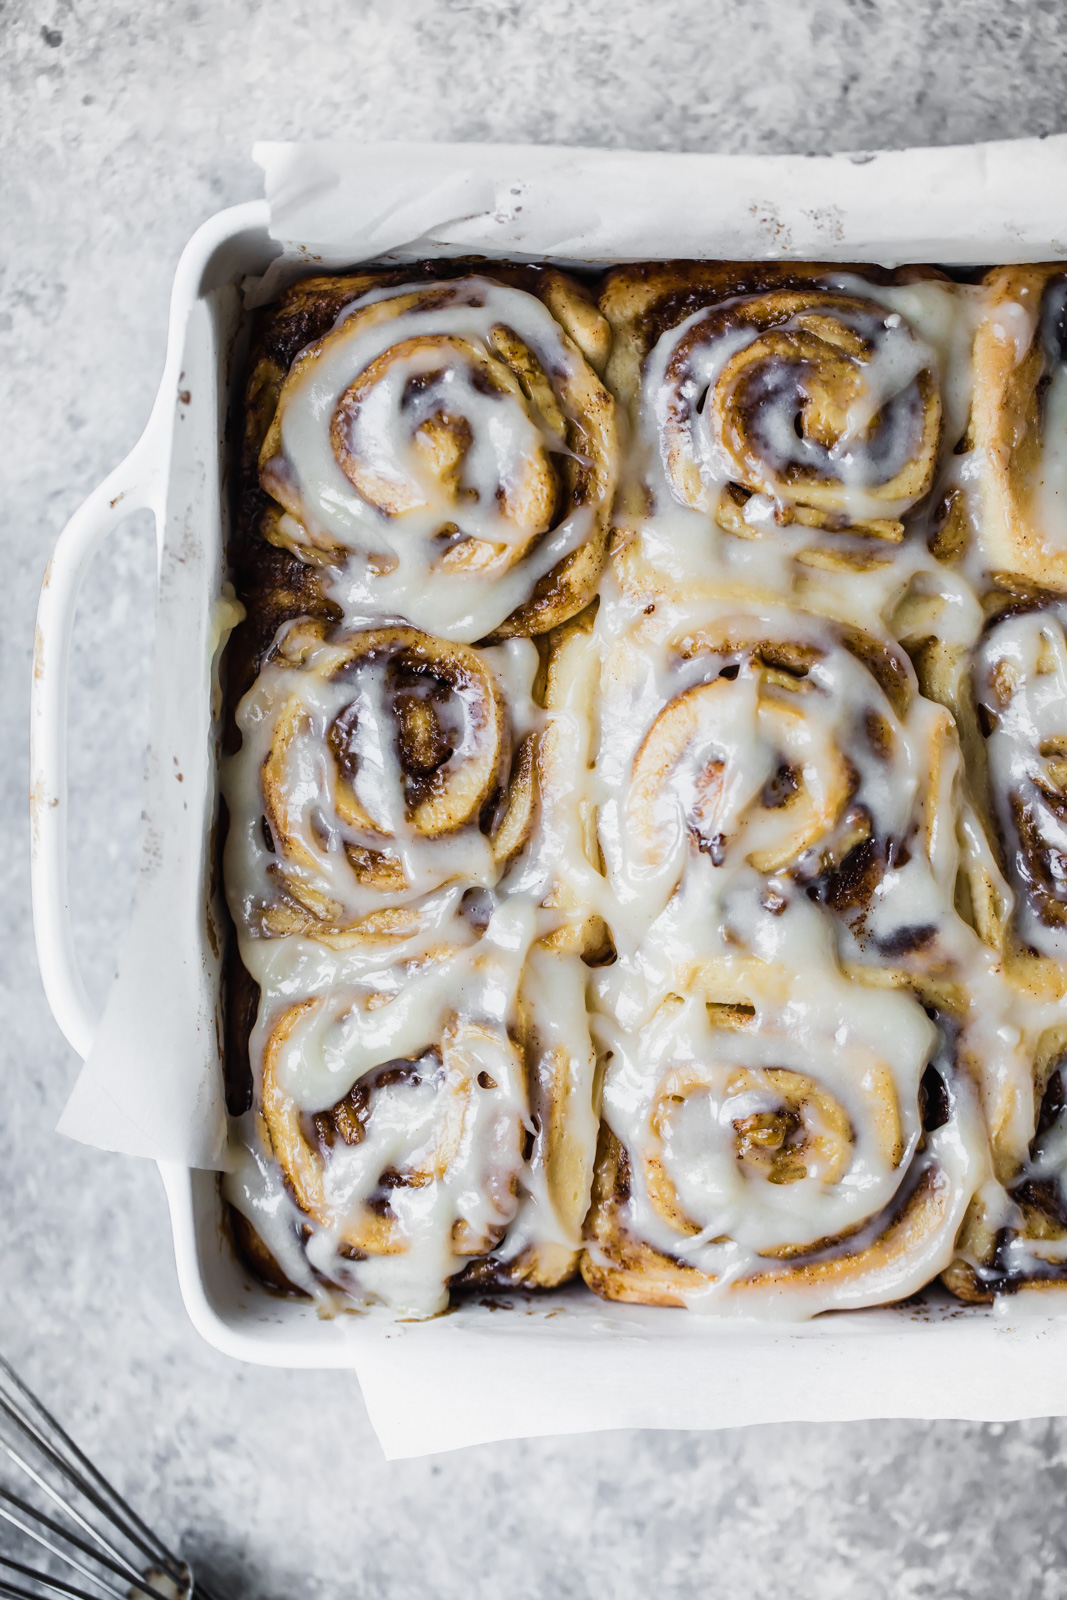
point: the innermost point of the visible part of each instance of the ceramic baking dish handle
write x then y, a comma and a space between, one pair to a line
135, 485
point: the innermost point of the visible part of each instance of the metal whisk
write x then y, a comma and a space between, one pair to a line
80, 1539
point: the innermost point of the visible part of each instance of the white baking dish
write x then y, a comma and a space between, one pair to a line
564, 1363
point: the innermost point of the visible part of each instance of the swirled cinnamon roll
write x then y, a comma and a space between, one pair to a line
771, 1145
400, 870
768, 745
378, 767
1019, 425
776, 812
387, 1142
801, 411
421, 1125
446, 447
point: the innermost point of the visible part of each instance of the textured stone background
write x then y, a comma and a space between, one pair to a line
121, 127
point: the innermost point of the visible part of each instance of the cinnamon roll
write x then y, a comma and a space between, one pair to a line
422, 1123
770, 1146
420, 1115
378, 768
791, 1012
387, 1141
1020, 686
805, 408
1015, 1232
772, 748
447, 448
1018, 427
408, 1123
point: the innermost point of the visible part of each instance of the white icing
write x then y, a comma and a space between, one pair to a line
1015, 324
944, 317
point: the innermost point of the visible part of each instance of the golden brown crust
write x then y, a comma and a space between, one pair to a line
1020, 337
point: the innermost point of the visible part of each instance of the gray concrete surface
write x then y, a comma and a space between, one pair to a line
121, 127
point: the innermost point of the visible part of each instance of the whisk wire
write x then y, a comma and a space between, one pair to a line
120, 1569
71, 1511
56, 1585
61, 1555
89, 1480
77, 1489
